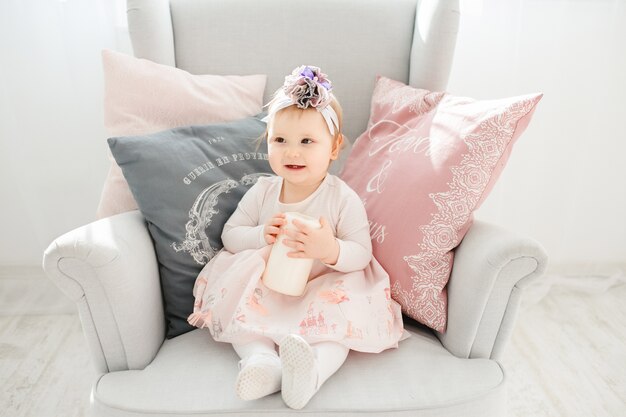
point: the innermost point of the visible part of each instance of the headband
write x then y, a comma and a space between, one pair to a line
306, 87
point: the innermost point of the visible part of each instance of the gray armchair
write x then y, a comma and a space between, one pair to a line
110, 269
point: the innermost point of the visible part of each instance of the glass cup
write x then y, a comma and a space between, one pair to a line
284, 274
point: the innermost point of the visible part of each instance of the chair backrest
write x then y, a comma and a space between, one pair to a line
351, 40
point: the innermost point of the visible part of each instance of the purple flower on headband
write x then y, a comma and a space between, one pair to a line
307, 72
307, 86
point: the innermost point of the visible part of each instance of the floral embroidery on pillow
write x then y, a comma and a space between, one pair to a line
425, 163
432, 266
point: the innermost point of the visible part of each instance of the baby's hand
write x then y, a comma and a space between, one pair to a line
272, 227
313, 243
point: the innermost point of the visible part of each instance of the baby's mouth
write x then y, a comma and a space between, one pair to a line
295, 166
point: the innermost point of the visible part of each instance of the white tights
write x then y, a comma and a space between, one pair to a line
330, 355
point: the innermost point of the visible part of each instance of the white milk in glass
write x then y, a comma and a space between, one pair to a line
284, 274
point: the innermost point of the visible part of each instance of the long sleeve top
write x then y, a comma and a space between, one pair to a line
333, 199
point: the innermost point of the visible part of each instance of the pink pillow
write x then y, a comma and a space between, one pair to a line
143, 97
425, 163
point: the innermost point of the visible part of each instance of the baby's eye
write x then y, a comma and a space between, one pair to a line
306, 141
279, 140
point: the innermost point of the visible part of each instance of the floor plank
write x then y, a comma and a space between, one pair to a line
44, 366
568, 356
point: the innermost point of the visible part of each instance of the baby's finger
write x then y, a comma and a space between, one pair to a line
294, 244
295, 235
299, 254
290, 243
301, 226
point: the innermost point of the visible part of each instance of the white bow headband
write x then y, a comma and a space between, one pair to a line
306, 87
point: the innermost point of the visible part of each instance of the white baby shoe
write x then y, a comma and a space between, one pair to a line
259, 376
300, 372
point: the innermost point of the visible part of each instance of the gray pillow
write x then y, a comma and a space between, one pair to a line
187, 182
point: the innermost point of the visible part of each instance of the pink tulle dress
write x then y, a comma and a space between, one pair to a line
348, 303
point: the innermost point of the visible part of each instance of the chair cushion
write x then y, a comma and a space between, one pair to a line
434, 157
194, 375
236, 37
144, 97
187, 182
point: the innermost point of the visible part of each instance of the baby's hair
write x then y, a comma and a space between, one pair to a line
334, 104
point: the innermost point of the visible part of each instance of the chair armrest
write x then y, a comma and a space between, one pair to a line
110, 270
491, 268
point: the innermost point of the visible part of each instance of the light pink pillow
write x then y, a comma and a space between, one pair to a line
425, 163
144, 97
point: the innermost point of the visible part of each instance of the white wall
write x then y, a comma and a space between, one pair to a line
564, 184
52, 141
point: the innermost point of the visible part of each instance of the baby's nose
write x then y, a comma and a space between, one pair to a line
293, 152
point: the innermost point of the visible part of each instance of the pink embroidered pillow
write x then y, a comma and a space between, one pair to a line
425, 163
142, 97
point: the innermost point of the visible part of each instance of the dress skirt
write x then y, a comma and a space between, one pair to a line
354, 309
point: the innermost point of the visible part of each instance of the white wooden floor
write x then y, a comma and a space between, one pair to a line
44, 365
567, 357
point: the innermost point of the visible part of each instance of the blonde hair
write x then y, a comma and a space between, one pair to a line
334, 103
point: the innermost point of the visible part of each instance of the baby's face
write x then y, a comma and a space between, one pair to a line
300, 146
